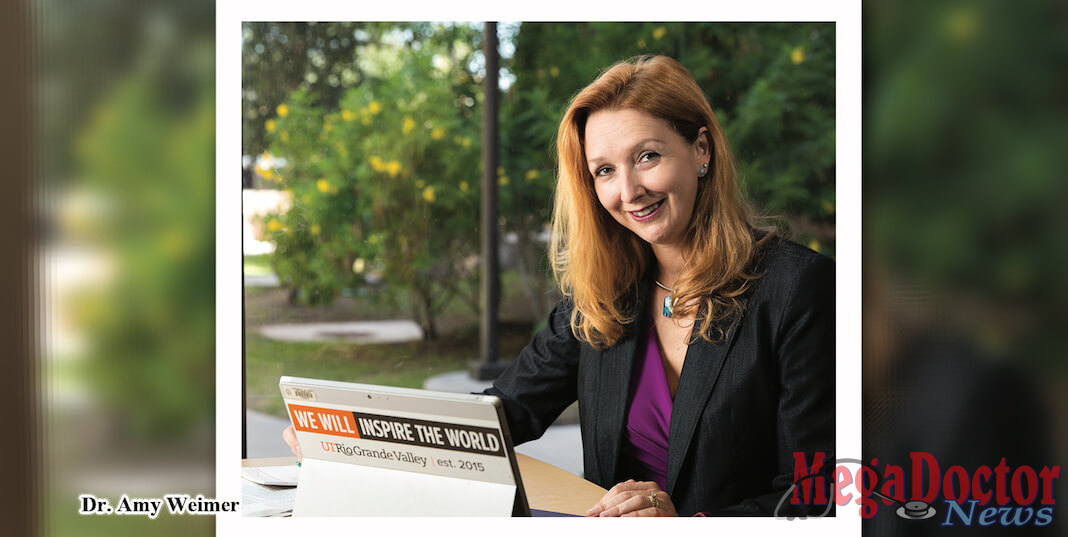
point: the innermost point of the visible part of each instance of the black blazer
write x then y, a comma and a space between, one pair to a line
742, 407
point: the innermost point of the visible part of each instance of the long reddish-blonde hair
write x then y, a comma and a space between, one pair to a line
597, 262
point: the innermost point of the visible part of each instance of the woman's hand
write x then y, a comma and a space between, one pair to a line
634, 498
290, 436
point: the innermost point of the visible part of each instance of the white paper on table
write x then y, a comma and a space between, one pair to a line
261, 500
278, 476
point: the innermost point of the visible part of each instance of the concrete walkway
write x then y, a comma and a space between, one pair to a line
351, 332
261, 280
265, 435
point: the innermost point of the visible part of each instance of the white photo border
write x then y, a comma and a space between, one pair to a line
846, 15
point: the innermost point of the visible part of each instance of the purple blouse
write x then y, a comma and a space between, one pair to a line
645, 446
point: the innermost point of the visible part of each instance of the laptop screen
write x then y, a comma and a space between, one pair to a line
384, 451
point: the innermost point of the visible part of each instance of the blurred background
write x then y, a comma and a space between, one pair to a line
123, 108
965, 299
964, 129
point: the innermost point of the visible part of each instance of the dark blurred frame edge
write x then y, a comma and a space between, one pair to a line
20, 280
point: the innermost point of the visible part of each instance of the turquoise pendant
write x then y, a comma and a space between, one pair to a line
669, 306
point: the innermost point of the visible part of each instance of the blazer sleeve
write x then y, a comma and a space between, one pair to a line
543, 379
805, 347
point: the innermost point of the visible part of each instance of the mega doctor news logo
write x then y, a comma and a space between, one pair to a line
1001, 496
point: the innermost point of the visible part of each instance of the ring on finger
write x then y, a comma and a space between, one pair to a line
654, 501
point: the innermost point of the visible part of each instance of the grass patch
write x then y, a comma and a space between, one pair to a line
402, 364
257, 265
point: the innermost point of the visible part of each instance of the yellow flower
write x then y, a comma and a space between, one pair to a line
323, 185
358, 265
438, 133
659, 33
814, 245
467, 141
502, 180
463, 186
797, 55
269, 125
327, 126
428, 194
266, 173
420, 183
315, 229
393, 168
274, 225
373, 239
641, 44
347, 115
408, 125
374, 107
283, 110
377, 164
554, 71
284, 135
531, 175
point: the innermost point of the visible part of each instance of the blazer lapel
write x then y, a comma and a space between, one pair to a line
700, 370
616, 369
617, 362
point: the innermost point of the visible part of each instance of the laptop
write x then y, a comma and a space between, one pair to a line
386, 451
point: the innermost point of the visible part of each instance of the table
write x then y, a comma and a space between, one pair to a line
548, 488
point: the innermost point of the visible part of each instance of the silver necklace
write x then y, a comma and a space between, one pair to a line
669, 302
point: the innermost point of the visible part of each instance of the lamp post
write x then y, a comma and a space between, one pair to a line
488, 366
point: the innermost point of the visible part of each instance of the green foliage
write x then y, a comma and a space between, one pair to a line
386, 184
152, 327
963, 164
281, 57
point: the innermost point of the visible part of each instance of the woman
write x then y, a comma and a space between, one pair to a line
700, 349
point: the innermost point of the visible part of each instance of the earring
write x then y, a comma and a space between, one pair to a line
704, 169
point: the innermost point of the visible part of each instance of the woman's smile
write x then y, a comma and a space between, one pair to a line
647, 213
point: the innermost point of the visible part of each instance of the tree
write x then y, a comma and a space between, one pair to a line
386, 184
278, 58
